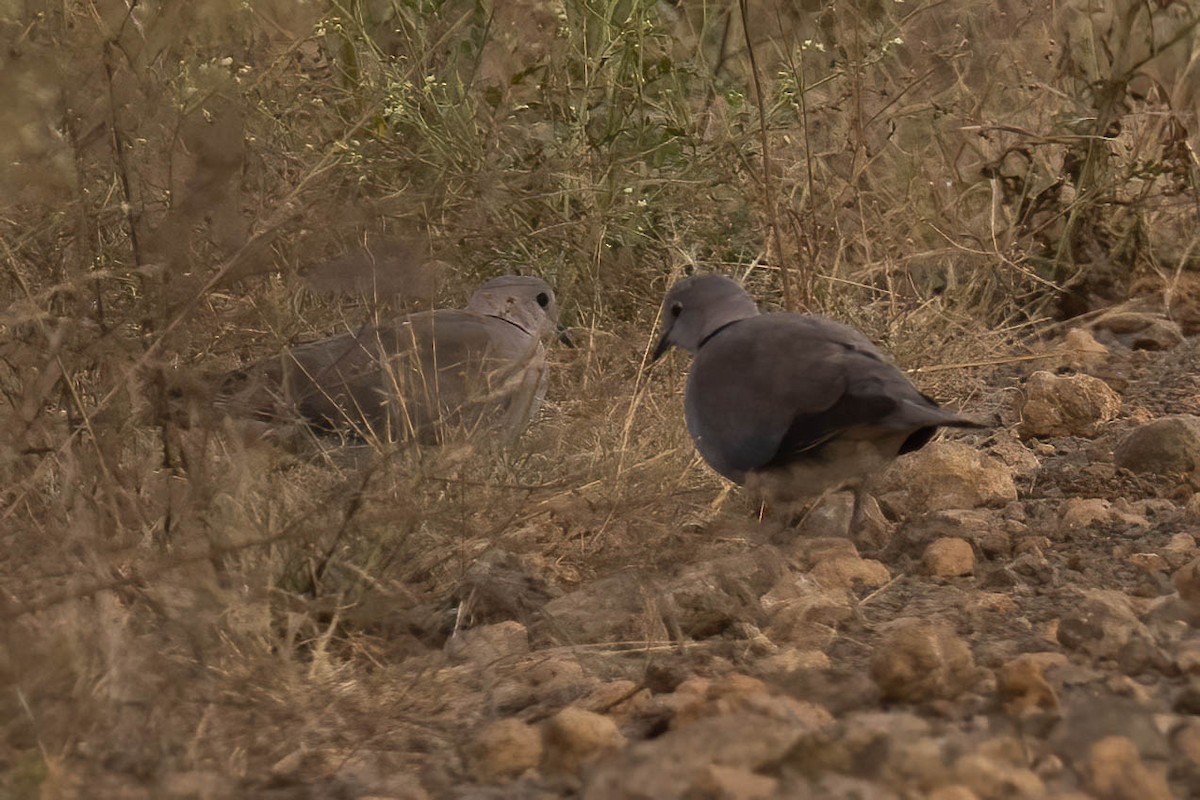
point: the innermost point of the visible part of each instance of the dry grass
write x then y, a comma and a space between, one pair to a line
183, 609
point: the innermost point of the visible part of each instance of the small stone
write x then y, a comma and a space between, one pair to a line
953, 792
1166, 446
1179, 550
1083, 351
574, 737
1187, 656
1117, 772
1187, 583
1140, 330
503, 750
917, 660
1191, 509
949, 557
792, 659
946, 475
1022, 686
718, 782
1066, 405
1186, 741
1101, 624
1080, 512
851, 573
994, 779
489, 643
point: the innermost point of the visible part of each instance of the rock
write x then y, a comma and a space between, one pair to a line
488, 644
1091, 512
983, 527
1191, 509
952, 792
1141, 331
1084, 353
1080, 512
810, 551
792, 659
1101, 625
1021, 683
670, 765
503, 750
1015, 454
1186, 741
1166, 446
851, 573
853, 744
551, 680
1066, 405
616, 609
717, 782
994, 779
736, 693
918, 660
1116, 771
945, 475
574, 737
709, 597
1179, 550
949, 557
619, 699
1187, 583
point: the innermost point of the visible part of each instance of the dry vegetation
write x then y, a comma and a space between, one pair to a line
186, 611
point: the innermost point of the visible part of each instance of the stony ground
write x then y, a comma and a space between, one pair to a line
1016, 621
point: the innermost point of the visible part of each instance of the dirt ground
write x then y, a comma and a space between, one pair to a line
1016, 620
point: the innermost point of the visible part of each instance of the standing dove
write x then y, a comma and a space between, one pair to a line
423, 377
791, 405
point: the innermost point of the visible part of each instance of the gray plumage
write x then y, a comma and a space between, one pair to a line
789, 404
423, 377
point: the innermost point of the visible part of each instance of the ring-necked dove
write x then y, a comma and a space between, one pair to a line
791, 405
423, 377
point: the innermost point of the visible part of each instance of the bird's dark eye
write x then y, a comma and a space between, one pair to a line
543, 299
676, 308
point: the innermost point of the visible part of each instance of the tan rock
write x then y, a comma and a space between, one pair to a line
669, 765
1141, 330
851, 573
812, 550
946, 475
488, 644
994, 779
574, 737
504, 750
1191, 509
736, 694
1186, 741
1021, 684
1085, 512
1101, 624
949, 557
731, 783
953, 792
1166, 446
792, 659
1187, 583
1083, 351
917, 660
1179, 550
1066, 405
1116, 772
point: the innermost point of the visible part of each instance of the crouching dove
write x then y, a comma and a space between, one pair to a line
792, 406
422, 377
